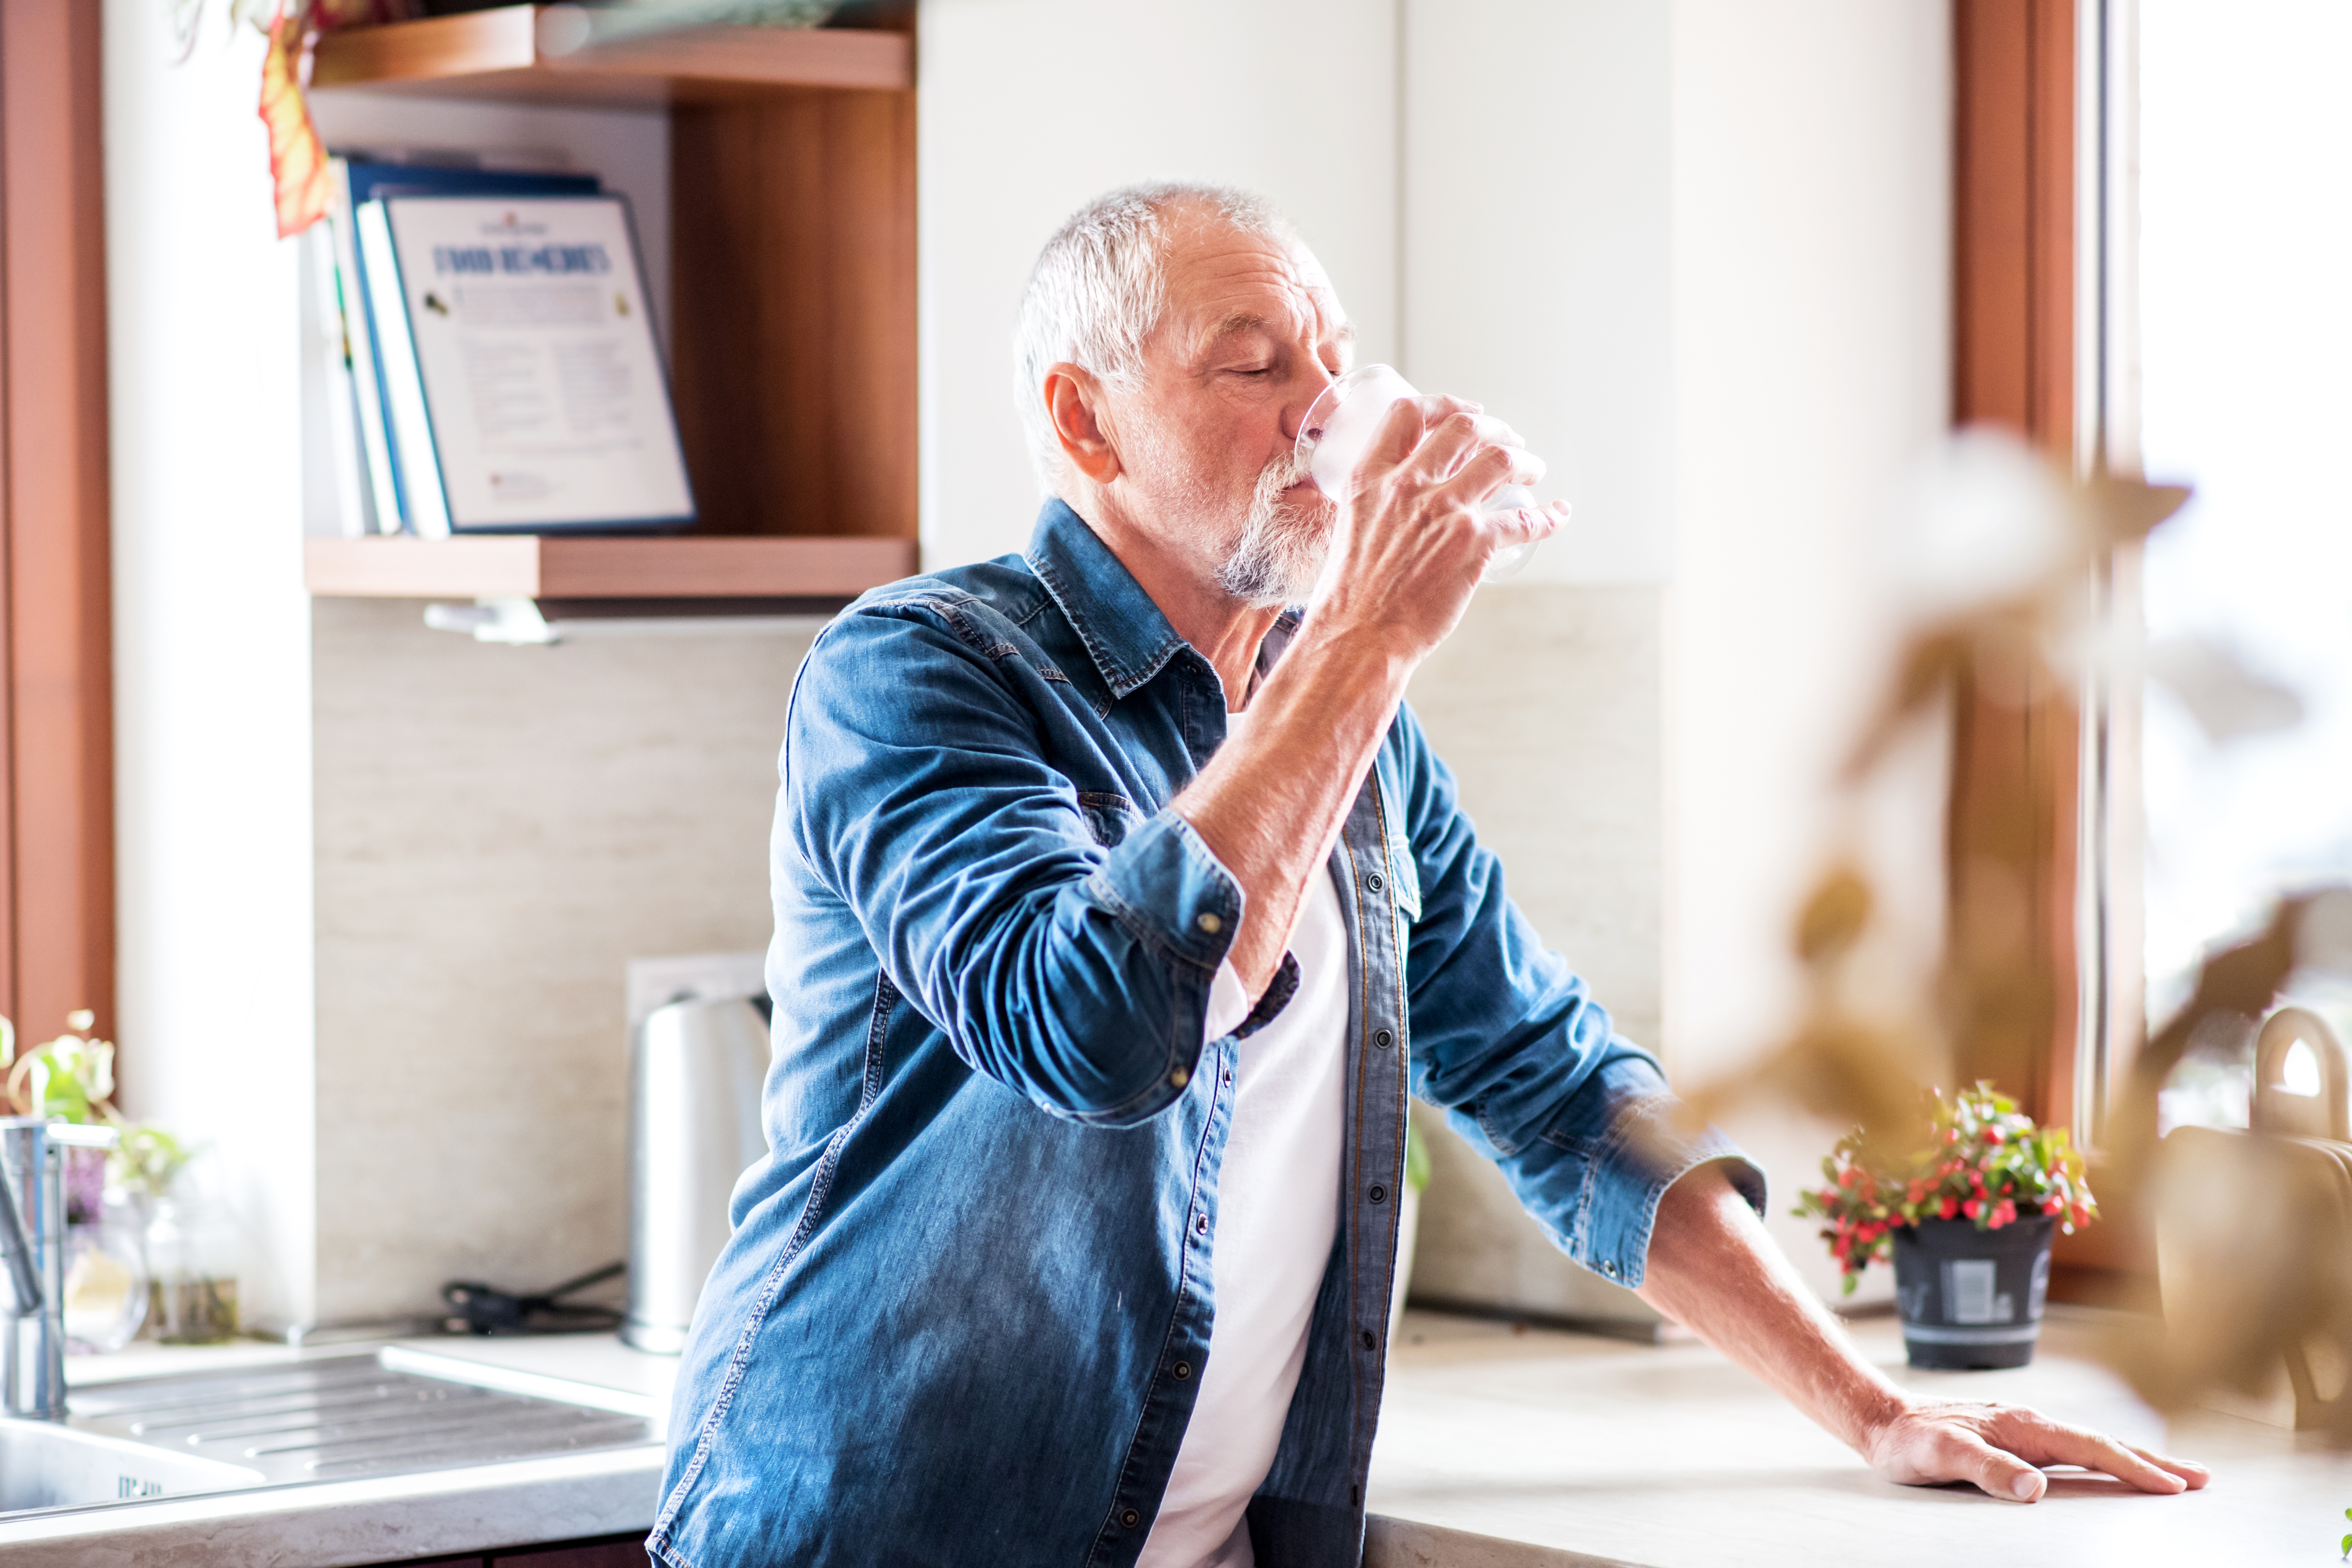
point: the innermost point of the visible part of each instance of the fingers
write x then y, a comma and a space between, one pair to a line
1484, 470
2193, 1475
1995, 1470
1401, 430
1464, 438
2052, 1444
1527, 524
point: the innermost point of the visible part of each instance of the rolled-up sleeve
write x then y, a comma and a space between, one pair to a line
1076, 974
1509, 1042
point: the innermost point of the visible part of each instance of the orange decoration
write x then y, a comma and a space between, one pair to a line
298, 161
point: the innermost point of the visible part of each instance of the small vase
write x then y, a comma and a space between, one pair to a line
1972, 1299
192, 1258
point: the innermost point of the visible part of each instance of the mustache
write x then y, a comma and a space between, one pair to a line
1287, 469
1284, 471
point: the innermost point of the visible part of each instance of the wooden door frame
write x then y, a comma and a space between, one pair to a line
57, 735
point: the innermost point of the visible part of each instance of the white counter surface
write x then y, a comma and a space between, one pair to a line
1558, 1449
1597, 1451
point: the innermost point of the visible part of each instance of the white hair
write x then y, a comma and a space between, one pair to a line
1097, 291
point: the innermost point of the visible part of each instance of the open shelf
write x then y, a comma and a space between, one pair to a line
550, 566
517, 52
791, 350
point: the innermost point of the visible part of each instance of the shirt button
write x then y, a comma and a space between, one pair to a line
1202, 1225
1183, 1370
1374, 882
1130, 1519
1211, 924
1379, 1193
1368, 1339
1610, 1269
1383, 1039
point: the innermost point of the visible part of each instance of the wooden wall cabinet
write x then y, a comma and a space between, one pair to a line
793, 295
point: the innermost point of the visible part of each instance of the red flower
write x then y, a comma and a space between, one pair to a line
1992, 1135
1972, 1208
2051, 1205
1949, 1206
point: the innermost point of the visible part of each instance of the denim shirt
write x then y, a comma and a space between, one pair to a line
966, 1305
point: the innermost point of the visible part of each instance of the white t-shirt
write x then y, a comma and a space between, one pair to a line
1277, 1213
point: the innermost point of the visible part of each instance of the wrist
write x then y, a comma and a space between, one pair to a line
1366, 658
1875, 1412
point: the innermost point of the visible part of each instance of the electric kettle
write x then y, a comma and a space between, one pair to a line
695, 1072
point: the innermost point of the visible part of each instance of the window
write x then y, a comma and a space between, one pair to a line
2245, 332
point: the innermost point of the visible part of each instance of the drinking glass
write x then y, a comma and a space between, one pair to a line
1340, 425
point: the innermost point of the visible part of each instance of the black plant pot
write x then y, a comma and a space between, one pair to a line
1971, 1299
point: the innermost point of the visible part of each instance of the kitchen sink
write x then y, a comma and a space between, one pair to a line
393, 1411
44, 1464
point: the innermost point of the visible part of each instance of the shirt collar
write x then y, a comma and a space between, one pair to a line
1125, 633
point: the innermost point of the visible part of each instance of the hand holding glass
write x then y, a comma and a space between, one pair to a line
1340, 425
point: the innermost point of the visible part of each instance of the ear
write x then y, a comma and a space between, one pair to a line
1074, 402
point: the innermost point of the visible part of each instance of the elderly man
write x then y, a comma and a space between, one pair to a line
1117, 908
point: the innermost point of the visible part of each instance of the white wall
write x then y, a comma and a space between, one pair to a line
1539, 250
1812, 194
212, 633
1031, 106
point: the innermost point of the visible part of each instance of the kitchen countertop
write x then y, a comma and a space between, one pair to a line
1499, 1447
1581, 1450
380, 1519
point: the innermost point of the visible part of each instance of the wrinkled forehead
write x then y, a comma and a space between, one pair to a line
1222, 281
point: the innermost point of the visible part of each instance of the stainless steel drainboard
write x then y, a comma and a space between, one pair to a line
369, 1413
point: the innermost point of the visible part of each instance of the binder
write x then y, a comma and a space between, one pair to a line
523, 385
353, 182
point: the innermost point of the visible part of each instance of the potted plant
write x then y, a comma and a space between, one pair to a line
1967, 1216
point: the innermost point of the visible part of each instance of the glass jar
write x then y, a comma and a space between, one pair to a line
192, 1270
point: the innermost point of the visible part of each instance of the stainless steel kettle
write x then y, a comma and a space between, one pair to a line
694, 1071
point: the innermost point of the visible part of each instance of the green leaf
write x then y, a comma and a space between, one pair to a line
1416, 1159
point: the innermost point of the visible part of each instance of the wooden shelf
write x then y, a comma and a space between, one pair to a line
517, 52
538, 567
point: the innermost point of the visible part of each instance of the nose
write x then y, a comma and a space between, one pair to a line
1310, 389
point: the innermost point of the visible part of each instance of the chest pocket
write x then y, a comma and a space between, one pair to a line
1109, 817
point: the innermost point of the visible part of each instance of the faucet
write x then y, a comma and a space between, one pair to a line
32, 1235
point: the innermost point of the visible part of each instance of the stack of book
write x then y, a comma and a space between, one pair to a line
488, 357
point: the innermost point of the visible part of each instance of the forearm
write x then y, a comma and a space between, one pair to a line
1270, 803
1713, 1269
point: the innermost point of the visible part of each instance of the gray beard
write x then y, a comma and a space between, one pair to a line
1280, 551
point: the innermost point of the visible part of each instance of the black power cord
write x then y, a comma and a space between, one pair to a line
486, 1309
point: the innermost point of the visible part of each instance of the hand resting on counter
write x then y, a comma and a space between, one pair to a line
1713, 1269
